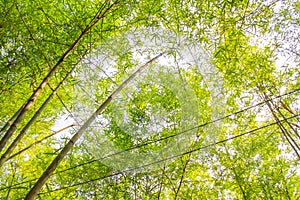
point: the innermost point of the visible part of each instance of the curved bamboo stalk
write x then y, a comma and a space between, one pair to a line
47, 173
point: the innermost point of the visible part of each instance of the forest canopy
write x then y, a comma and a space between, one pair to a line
123, 99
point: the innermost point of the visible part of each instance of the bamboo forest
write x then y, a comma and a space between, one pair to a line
149, 99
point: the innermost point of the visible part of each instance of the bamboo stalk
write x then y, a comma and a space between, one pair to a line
34, 96
47, 173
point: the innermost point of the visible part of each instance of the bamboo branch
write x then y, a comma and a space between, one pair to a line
182, 176
290, 124
39, 141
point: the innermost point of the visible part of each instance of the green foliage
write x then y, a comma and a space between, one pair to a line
252, 45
